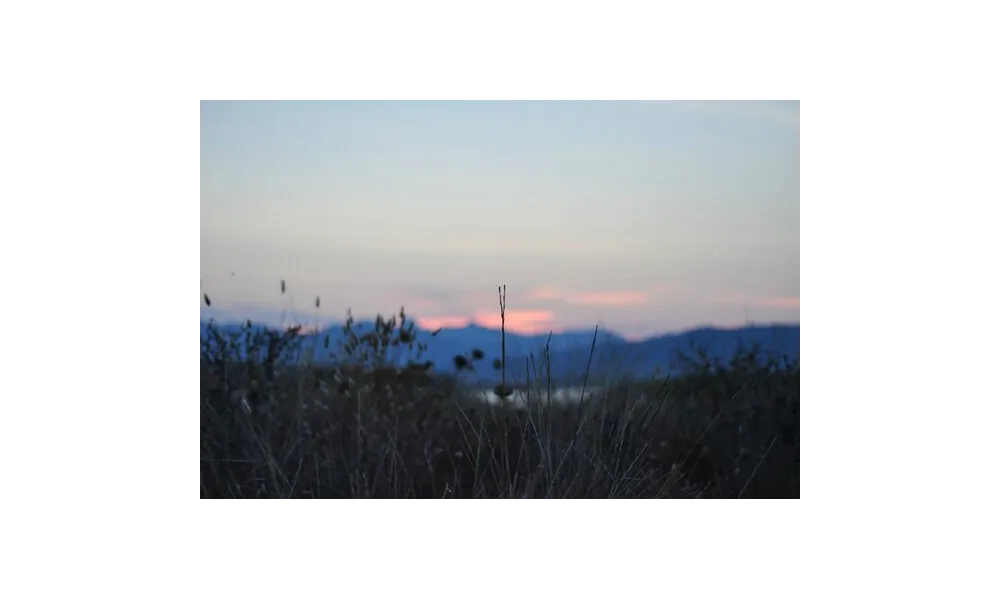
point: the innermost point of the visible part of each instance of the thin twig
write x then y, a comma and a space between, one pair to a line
759, 462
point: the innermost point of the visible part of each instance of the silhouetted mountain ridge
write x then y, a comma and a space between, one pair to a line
569, 351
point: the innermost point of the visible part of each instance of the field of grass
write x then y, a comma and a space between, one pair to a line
278, 425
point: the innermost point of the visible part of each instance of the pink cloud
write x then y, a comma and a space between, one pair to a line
518, 321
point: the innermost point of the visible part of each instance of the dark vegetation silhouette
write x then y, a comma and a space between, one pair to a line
290, 414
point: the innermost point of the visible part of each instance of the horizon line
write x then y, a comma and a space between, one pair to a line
471, 324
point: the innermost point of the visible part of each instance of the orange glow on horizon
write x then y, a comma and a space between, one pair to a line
515, 321
518, 321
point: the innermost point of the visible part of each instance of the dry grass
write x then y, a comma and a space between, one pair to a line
278, 425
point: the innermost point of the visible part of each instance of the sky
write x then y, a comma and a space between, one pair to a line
640, 217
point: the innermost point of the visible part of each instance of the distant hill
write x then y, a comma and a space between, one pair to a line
570, 351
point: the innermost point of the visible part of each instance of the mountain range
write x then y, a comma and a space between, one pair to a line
569, 351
